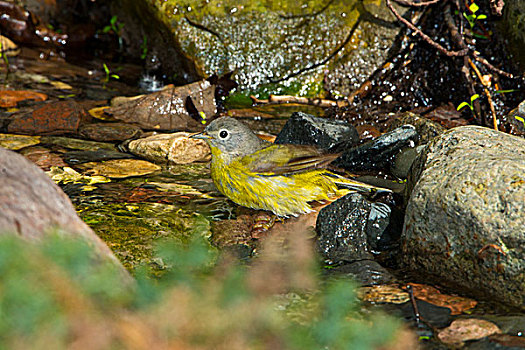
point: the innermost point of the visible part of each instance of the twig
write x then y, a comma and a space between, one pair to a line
491, 67
487, 93
425, 37
280, 99
416, 4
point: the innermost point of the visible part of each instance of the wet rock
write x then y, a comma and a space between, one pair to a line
10, 98
57, 118
16, 142
365, 272
341, 229
31, 206
324, 133
426, 129
120, 168
378, 220
378, 153
464, 220
43, 157
516, 120
110, 132
301, 39
400, 165
79, 157
175, 148
235, 232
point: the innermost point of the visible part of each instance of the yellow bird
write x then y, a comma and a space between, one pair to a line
261, 175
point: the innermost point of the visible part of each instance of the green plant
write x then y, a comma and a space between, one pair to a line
56, 294
472, 18
520, 119
470, 105
109, 75
144, 47
113, 26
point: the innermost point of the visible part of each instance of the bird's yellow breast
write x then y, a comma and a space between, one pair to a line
283, 194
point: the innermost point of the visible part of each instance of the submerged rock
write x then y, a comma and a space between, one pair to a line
324, 133
32, 206
378, 153
464, 221
110, 132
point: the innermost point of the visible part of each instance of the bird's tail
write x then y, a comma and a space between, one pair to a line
353, 185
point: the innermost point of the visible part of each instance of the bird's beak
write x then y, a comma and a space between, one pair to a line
200, 135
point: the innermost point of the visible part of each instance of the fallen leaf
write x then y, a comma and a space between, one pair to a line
9, 98
120, 168
168, 109
430, 294
391, 294
462, 330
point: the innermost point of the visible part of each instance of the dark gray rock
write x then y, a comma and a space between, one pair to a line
326, 134
465, 219
378, 153
342, 229
31, 206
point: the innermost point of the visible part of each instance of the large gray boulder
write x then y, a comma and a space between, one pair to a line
32, 205
288, 43
465, 219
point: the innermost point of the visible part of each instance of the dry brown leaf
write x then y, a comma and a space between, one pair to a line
169, 109
9, 98
430, 294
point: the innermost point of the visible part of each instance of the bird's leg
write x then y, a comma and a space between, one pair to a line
263, 222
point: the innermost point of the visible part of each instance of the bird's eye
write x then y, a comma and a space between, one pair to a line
223, 134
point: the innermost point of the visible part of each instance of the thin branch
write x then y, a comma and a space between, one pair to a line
487, 93
462, 52
416, 4
491, 67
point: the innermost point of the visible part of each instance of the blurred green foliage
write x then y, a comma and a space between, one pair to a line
56, 295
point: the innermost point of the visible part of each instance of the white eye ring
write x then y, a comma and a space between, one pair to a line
224, 134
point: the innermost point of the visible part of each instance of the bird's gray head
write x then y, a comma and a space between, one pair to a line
232, 138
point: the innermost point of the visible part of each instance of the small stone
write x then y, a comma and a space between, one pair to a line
43, 157
324, 133
175, 148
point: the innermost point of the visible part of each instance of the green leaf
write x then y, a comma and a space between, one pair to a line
474, 97
106, 69
482, 17
474, 7
462, 104
520, 119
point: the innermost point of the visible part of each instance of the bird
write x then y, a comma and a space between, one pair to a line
281, 178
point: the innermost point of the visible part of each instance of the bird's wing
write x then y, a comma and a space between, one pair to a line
286, 159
